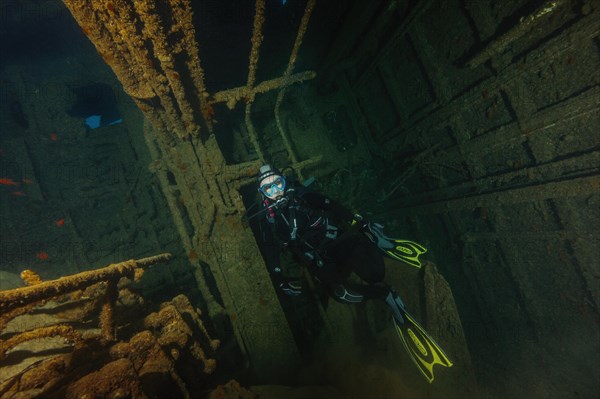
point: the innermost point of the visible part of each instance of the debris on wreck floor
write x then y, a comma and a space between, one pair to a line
233, 390
54, 348
166, 359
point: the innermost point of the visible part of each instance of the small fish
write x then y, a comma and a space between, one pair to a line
60, 222
27, 181
42, 255
53, 136
18, 193
8, 182
192, 255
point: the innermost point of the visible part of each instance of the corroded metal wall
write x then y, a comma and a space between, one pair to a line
495, 110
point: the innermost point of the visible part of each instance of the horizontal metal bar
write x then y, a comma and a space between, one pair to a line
562, 189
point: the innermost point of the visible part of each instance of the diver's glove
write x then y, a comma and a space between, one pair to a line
291, 288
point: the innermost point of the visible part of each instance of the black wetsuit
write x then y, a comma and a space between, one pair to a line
320, 242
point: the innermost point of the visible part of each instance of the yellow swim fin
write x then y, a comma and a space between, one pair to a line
405, 251
423, 350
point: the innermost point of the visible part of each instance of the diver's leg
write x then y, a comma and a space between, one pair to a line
372, 291
360, 256
346, 295
367, 261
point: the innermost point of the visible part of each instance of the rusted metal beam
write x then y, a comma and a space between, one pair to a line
525, 25
256, 40
310, 5
138, 40
11, 299
232, 96
560, 189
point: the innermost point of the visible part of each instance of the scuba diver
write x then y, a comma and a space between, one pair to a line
333, 243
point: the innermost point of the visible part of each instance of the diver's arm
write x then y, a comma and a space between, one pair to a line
272, 255
271, 251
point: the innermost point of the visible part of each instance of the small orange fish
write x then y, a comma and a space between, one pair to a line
8, 182
42, 255
193, 255
60, 222
18, 193
27, 181
53, 136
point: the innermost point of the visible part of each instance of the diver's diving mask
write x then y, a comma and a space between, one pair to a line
271, 189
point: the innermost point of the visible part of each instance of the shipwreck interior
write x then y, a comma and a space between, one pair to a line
131, 133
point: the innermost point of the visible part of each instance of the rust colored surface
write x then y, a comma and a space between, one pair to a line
12, 299
170, 355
